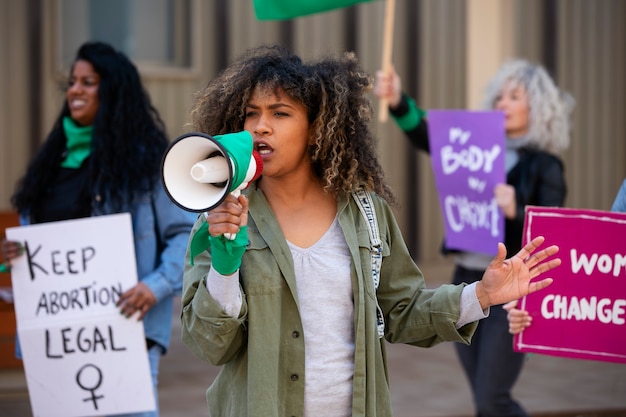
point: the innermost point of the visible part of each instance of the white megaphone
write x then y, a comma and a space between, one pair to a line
199, 170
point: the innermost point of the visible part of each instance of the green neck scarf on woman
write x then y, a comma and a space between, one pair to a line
78, 143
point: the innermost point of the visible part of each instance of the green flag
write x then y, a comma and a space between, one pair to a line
288, 9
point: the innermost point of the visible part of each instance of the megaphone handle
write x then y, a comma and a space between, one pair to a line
231, 236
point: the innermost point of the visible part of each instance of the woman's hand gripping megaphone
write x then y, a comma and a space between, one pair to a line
255, 168
240, 164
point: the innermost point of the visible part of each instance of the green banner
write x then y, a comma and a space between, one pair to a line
288, 9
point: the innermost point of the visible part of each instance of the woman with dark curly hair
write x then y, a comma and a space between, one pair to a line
295, 308
103, 156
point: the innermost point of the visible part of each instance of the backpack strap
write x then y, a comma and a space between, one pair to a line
366, 206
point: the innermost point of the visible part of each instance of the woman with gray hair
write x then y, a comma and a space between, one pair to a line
537, 124
549, 108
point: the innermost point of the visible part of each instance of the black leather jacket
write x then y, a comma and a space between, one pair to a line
538, 178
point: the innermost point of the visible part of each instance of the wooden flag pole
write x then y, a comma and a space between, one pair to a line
383, 111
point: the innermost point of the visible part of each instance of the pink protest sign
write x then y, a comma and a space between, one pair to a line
467, 154
583, 313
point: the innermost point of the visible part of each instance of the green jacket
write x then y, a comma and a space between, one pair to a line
262, 350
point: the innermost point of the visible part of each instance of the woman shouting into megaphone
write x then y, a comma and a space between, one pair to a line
296, 310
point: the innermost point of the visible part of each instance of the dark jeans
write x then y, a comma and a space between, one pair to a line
489, 362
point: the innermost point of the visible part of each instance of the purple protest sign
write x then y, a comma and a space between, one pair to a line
467, 155
583, 313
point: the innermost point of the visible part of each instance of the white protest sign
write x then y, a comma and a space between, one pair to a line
81, 356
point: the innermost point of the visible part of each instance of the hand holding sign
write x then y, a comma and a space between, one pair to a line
10, 250
505, 199
518, 319
509, 279
136, 299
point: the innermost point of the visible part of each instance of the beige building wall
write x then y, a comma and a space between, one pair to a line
15, 106
445, 51
591, 64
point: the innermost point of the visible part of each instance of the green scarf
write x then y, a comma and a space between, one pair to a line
78, 143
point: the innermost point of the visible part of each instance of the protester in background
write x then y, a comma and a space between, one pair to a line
620, 199
537, 125
521, 319
103, 156
289, 307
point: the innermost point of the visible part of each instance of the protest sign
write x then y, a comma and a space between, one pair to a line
582, 314
467, 154
81, 357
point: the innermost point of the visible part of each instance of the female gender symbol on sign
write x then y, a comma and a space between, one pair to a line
93, 379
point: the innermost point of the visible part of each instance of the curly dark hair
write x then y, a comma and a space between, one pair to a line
128, 142
333, 91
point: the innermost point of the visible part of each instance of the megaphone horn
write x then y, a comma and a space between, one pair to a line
198, 170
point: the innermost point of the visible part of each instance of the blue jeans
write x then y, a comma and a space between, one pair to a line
490, 363
154, 357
